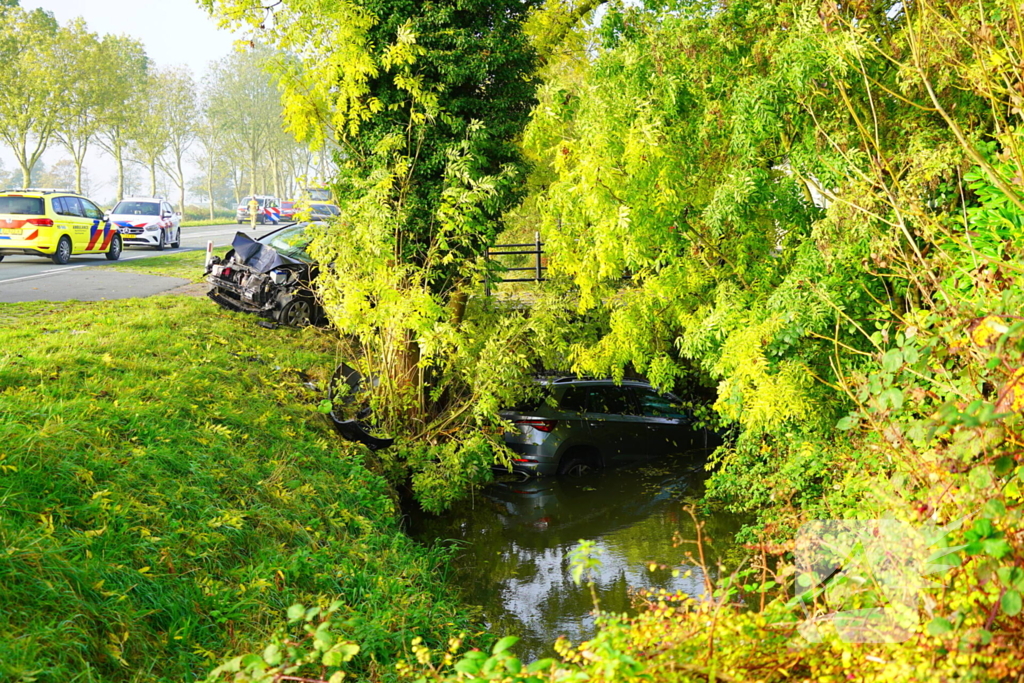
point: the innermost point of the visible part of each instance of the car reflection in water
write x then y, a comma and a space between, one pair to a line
516, 544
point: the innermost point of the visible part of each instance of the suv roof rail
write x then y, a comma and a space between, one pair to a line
562, 379
41, 190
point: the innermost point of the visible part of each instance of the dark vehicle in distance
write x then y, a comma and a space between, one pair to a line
323, 212
271, 276
590, 424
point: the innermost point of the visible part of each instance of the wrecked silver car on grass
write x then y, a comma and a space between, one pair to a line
271, 276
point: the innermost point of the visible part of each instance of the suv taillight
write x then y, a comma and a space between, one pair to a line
540, 425
40, 222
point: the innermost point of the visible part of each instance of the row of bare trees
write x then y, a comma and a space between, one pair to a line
69, 88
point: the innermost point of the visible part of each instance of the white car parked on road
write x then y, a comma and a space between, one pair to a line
147, 222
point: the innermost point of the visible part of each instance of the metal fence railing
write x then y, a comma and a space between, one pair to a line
499, 251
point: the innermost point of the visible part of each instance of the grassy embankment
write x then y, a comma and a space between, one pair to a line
167, 491
198, 222
188, 264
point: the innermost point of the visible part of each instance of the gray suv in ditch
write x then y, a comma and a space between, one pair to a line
588, 424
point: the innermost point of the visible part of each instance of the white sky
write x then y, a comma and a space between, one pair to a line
174, 32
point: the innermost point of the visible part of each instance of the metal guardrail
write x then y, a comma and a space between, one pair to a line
499, 250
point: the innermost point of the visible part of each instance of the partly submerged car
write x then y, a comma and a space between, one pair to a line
587, 424
271, 276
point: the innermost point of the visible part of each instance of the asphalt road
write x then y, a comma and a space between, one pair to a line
33, 278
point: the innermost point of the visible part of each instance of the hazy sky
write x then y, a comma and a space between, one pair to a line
173, 32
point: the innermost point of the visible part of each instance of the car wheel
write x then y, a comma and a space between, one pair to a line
116, 245
161, 244
177, 239
63, 253
576, 463
2, 257
298, 312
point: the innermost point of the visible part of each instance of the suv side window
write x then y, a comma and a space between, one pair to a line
610, 400
653, 404
91, 210
72, 207
58, 206
574, 400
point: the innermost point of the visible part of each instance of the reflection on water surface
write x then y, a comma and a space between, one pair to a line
516, 540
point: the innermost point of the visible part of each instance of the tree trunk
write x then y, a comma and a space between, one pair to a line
276, 175
119, 160
410, 371
209, 183
253, 161
152, 177
78, 175
181, 187
26, 175
458, 306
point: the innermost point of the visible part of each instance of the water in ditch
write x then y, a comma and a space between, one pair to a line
515, 540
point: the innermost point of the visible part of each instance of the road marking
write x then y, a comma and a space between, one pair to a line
45, 273
58, 271
228, 230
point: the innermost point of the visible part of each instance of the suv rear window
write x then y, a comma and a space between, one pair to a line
22, 206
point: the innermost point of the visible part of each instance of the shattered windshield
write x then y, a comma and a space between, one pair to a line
290, 242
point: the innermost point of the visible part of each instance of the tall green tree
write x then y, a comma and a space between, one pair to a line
150, 132
125, 77
243, 101
211, 158
78, 55
29, 114
424, 74
181, 121
426, 102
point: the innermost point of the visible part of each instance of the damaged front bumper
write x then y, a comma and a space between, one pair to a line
243, 289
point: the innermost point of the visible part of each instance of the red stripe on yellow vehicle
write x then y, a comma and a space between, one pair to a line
94, 236
108, 237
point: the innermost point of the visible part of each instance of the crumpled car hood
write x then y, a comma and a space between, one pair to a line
260, 257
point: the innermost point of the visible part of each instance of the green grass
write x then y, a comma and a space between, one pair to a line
186, 264
167, 490
208, 221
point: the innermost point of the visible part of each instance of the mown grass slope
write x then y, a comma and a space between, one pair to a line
167, 491
187, 264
